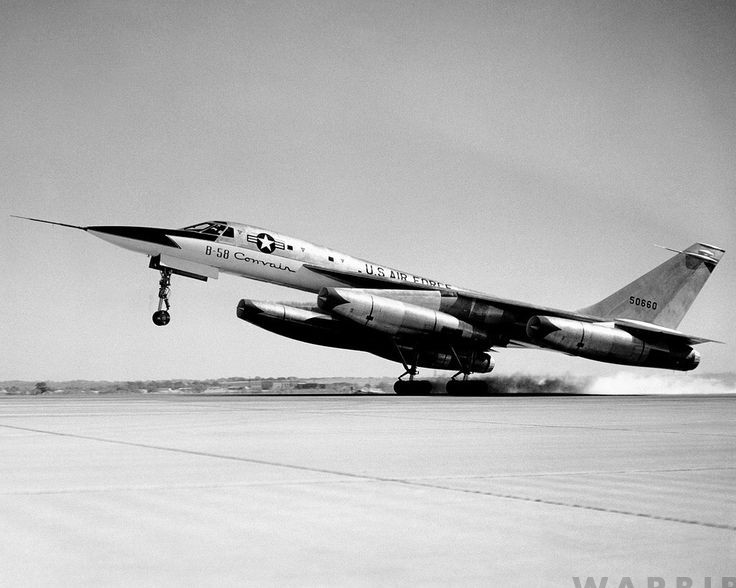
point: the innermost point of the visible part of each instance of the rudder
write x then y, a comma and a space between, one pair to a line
663, 295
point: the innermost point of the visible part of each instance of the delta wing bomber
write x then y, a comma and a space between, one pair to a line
417, 321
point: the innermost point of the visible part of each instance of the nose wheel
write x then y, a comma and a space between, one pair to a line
162, 317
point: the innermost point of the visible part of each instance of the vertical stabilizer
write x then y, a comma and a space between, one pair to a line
663, 295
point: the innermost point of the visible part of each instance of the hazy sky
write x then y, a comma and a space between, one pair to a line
530, 150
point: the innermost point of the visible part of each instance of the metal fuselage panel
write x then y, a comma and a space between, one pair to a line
283, 260
263, 255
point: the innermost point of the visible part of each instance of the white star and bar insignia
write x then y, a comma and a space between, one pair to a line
265, 242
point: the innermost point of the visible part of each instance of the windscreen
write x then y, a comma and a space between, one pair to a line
208, 228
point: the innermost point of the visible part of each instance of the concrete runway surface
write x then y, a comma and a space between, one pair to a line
366, 490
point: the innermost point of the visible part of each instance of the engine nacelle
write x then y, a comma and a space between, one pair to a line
607, 343
304, 322
394, 317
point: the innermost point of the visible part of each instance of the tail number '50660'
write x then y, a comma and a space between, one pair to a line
643, 302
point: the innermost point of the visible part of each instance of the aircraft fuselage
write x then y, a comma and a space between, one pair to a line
261, 255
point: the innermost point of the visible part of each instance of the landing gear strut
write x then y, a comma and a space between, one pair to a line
162, 317
464, 387
411, 387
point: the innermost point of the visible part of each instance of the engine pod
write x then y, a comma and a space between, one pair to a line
606, 342
394, 317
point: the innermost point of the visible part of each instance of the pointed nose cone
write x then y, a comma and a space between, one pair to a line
148, 240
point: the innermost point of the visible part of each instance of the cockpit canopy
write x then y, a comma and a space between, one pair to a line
218, 228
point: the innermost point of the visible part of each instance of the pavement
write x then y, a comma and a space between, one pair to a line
366, 490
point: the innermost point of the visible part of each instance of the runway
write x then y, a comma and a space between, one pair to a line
366, 490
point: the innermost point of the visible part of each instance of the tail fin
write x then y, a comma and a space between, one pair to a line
663, 295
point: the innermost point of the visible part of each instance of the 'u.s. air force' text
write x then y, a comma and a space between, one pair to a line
382, 272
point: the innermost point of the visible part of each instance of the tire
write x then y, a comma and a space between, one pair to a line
467, 388
161, 318
413, 387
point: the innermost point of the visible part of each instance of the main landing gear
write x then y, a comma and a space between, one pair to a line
411, 387
466, 387
162, 317
455, 387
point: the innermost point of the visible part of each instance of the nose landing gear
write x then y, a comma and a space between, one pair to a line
162, 317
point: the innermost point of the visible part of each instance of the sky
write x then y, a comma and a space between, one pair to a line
531, 150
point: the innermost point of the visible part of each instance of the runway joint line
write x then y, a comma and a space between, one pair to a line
369, 478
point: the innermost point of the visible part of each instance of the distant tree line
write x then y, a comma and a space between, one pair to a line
517, 384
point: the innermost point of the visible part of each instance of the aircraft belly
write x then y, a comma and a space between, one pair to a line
184, 265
